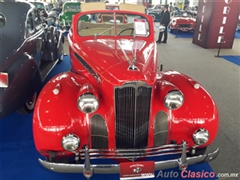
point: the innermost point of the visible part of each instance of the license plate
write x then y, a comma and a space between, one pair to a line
137, 170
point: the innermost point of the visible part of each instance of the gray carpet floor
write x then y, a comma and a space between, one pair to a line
221, 79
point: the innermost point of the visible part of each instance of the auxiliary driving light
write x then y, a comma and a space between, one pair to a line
200, 136
70, 142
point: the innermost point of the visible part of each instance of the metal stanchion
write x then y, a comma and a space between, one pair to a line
176, 34
219, 47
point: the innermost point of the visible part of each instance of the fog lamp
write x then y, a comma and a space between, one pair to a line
70, 142
200, 136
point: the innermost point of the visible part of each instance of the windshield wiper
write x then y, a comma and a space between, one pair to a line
96, 35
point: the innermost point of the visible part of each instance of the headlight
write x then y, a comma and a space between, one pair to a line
174, 23
173, 100
88, 103
200, 136
70, 142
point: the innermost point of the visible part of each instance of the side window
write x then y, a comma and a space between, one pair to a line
37, 19
30, 22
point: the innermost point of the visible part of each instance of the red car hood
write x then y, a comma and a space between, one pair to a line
106, 57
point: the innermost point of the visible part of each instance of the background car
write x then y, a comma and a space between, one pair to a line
156, 10
47, 11
238, 24
116, 105
182, 21
192, 11
68, 10
28, 54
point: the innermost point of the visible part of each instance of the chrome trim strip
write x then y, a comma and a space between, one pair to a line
60, 38
182, 163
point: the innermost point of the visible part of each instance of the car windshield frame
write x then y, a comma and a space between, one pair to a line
116, 27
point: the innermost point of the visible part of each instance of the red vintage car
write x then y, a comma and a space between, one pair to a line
182, 21
115, 104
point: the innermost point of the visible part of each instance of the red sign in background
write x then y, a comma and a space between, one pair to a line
216, 23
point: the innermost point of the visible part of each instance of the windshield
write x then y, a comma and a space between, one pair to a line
102, 24
182, 14
112, 7
39, 5
72, 8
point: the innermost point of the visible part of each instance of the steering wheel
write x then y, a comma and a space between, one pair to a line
126, 29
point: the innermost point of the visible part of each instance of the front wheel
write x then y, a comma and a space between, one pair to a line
29, 105
153, 16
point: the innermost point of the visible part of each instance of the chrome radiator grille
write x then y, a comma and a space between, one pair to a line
132, 108
184, 25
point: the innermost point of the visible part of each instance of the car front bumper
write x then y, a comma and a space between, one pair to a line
89, 169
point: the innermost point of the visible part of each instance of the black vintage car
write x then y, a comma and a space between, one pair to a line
29, 49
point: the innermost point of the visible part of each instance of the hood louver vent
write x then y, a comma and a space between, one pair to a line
88, 68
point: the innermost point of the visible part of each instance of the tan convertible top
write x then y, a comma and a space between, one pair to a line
132, 7
92, 6
102, 6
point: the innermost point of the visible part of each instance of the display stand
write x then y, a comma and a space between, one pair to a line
216, 21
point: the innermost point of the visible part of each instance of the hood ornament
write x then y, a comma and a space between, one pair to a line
132, 64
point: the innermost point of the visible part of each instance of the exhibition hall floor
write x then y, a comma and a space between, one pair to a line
219, 76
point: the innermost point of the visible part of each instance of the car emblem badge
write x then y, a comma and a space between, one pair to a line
137, 170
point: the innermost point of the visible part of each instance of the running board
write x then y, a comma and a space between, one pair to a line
46, 68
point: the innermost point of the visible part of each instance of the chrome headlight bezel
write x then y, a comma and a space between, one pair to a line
200, 136
88, 103
173, 100
70, 142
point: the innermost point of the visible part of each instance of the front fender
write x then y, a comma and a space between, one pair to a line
24, 80
56, 113
198, 110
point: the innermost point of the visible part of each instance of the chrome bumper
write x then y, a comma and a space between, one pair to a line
89, 169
